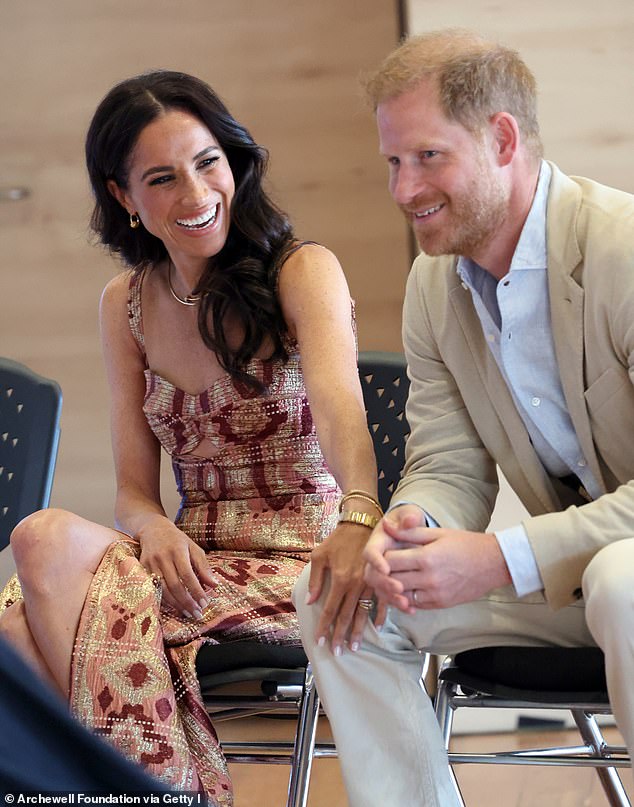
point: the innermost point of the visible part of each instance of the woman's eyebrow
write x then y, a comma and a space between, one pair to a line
157, 169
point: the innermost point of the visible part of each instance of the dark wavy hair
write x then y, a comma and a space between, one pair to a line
241, 279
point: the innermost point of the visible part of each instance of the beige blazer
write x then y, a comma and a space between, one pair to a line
462, 417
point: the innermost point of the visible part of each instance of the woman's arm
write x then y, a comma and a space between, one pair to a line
316, 305
165, 550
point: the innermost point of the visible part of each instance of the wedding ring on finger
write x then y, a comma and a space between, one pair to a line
365, 605
415, 597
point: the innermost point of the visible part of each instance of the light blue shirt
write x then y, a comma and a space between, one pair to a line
515, 317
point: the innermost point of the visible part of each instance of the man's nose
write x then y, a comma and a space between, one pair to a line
406, 186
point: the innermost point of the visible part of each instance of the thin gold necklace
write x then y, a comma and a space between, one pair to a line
191, 299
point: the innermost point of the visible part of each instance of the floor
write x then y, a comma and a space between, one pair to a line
481, 785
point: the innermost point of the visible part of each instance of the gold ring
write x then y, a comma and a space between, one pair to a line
365, 605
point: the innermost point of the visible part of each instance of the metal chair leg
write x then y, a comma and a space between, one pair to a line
304, 744
444, 715
609, 777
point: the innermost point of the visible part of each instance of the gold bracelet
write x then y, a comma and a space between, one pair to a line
355, 517
360, 494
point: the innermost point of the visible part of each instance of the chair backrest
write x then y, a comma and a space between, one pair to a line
385, 387
30, 408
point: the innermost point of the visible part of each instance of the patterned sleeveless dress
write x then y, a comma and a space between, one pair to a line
257, 508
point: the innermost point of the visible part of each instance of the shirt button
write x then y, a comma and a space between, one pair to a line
535, 401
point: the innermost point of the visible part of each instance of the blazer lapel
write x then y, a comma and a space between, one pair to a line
517, 459
567, 306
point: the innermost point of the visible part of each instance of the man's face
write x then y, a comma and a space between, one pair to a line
443, 177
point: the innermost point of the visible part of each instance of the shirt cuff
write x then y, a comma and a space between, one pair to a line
520, 560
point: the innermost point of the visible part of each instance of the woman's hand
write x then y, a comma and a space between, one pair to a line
182, 565
340, 558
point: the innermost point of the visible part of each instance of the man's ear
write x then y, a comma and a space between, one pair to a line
506, 137
120, 195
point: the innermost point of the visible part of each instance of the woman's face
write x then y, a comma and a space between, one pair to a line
181, 187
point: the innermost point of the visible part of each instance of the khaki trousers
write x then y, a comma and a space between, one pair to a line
389, 742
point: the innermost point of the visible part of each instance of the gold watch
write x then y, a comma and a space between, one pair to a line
356, 517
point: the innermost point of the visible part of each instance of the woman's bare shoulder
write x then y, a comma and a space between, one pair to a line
117, 289
309, 259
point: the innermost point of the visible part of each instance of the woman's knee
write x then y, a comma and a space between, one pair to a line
39, 540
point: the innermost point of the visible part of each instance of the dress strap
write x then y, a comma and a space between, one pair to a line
134, 309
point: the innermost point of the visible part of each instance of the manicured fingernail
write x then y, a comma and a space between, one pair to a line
203, 602
337, 650
354, 647
187, 614
321, 641
198, 614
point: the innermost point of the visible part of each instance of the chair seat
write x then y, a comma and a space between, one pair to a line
540, 674
233, 662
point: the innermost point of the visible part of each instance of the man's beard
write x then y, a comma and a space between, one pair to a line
471, 219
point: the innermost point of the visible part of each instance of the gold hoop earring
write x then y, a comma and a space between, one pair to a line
134, 221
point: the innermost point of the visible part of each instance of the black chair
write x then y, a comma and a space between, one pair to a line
30, 408
544, 678
385, 387
280, 677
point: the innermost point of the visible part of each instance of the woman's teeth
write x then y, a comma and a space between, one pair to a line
206, 218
